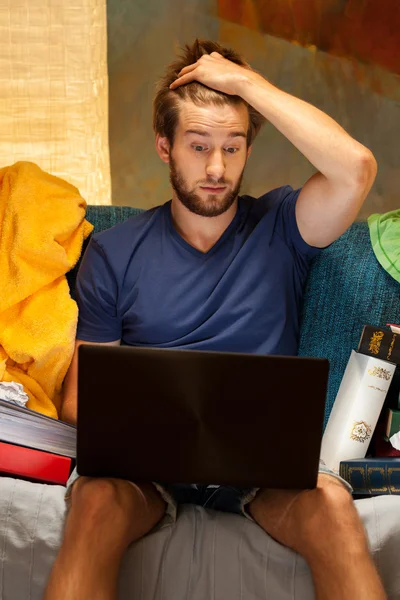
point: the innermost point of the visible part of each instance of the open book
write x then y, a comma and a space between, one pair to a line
28, 428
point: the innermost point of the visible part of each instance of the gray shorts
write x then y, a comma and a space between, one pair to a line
218, 497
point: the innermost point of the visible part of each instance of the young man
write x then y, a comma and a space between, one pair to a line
215, 271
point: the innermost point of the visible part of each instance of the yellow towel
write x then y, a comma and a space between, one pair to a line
42, 230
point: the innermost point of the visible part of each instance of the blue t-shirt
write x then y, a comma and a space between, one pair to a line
141, 282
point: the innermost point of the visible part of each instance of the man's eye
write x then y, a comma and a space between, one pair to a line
232, 150
198, 148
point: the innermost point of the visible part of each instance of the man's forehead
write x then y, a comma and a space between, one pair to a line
193, 117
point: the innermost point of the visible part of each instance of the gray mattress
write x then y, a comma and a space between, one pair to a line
206, 554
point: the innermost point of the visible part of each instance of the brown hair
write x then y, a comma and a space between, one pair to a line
166, 101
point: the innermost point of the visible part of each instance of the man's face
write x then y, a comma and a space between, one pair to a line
208, 157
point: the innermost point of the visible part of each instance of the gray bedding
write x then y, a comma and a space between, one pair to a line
205, 555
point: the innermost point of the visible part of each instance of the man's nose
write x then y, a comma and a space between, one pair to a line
215, 166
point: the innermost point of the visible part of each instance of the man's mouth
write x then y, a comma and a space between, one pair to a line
213, 189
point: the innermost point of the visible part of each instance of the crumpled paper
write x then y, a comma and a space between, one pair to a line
13, 392
395, 440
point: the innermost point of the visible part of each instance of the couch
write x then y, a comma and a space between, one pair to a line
217, 555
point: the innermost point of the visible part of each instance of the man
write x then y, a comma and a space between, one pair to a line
214, 271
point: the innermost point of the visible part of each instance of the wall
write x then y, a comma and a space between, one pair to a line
357, 84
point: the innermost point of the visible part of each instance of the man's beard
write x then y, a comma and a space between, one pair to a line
214, 206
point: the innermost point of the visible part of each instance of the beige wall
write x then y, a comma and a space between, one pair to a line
142, 39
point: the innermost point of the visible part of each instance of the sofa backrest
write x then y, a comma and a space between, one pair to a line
346, 289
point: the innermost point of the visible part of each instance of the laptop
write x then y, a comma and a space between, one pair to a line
188, 416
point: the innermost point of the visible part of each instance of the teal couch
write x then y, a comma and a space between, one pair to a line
346, 289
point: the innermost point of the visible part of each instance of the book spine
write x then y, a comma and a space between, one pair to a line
392, 422
356, 409
381, 343
35, 465
372, 476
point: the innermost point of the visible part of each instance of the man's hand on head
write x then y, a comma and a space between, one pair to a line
218, 73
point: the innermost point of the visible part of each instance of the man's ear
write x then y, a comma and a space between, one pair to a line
162, 147
249, 149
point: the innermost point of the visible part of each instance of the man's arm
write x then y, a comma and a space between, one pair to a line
330, 200
69, 407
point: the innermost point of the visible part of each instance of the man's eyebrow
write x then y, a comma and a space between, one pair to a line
197, 132
206, 134
238, 134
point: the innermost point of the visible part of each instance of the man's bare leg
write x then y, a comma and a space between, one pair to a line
324, 527
106, 515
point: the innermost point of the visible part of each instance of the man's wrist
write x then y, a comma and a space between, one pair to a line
248, 82
258, 92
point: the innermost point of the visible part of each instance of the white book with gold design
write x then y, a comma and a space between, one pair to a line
356, 409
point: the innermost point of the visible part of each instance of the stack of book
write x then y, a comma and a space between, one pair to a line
365, 418
35, 447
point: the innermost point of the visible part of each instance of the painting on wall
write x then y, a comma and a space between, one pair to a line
342, 56
367, 31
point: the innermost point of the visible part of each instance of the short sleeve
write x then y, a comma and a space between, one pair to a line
287, 223
96, 294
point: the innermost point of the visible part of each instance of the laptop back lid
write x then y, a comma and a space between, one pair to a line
187, 416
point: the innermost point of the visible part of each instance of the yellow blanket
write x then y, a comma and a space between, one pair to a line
42, 230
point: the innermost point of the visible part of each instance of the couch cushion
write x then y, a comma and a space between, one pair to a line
346, 289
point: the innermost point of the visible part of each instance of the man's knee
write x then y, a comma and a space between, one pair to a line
333, 495
104, 503
306, 520
332, 486
336, 514
94, 497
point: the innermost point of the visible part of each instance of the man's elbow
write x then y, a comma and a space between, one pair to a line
69, 412
366, 171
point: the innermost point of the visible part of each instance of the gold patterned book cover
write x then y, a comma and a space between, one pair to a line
380, 342
372, 476
356, 409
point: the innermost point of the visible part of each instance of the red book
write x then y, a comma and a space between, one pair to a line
34, 464
379, 447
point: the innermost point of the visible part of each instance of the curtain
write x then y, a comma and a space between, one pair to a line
54, 90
